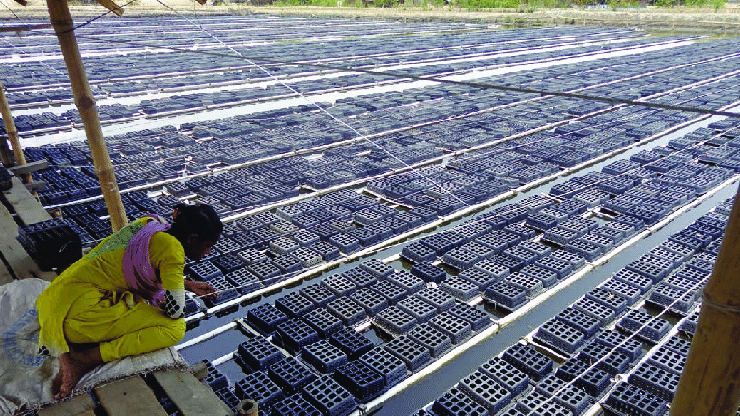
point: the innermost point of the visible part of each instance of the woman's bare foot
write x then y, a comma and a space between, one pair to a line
72, 366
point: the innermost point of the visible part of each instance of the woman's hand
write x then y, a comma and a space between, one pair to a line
201, 289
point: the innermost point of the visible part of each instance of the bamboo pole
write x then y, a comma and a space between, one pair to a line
61, 20
20, 158
710, 382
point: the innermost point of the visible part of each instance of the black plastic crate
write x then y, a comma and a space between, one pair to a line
668, 359
653, 331
506, 374
560, 336
244, 281
323, 321
377, 268
324, 356
460, 258
330, 397
594, 381
351, 342
475, 317
532, 286
547, 277
413, 354
265, 270
395, 320
460, 288
652, 271
601, 312
436, 341
655, 380
579, 320
258, 387
486, 391
506, 295
258, 353
478, 277
608, 298
51, 244
457, 329
391, 291
294, 304
294, 334
265, 318
294, 405
347, 310
290, 375
371, 300
571, 397
629, 399
407, 281
532, 362
635, 279
359, 379
673, 298
225, 291
203, 271
456, 403
228, 397
360, 277
436, 297
609, 359
493, 267
627, 292
318, 294
629, 346
418, 252
428, 272
561, 267
418, 308
537, 403
679, 345
393, 368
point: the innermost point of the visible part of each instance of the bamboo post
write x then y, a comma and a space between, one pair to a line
61, 20
710, 382
20, 158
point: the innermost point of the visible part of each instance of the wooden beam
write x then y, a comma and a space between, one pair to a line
191, 396
22, 169
81, 405
709, 382
19, 264
20, 158
61, 20
130, 396
28, 208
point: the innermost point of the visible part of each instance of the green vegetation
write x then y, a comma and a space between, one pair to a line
522, 6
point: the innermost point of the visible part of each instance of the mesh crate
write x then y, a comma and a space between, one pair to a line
347, 310
656, 380
359, 379
413, 354
579, 320
294, 405
329, 397
612, 362
671, 297
327, 250
294, 334
478, 277
258, 354
251, 255
611, 338
460, 258
318, 294
395, 320
654, 330
600, 312
547, 277
227, 396
307, 257
418, 308
456, 403
571, 397
486, 391
515, 380
678, 345
460, 288
351, 342
407, 281
265, 318
428, 272
360, 277
629, 399
225, 291
377, 268
559, 336
477, 318
621, 290
436, 341
418, 252
345, 242
203, 271
588, 251
457, 329
534, 402
228, 262
244, 281
506, 295
668, 359
391, 291
323, 322
532, 362
635, 279
531, 285
258, 387
391, 367
437, 298
594, 381
652, 271
493, 268
371, 300
562, 268
324, 356
290, 375
294, 304
264, 270
339, 285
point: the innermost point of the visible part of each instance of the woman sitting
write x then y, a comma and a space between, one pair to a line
102, 308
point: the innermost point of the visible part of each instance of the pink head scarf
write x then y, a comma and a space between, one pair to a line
139, 274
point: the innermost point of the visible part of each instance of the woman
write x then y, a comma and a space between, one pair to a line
102, 308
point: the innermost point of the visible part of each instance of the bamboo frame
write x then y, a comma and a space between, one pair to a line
709, 382
61, 20
10, 129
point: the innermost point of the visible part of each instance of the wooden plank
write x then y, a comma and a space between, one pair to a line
190, 395
130, 396
81, 405
5, 276
25, 205
29, 167
18, 261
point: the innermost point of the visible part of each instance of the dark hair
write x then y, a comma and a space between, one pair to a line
200, 219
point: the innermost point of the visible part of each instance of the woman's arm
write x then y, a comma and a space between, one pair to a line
202, 289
